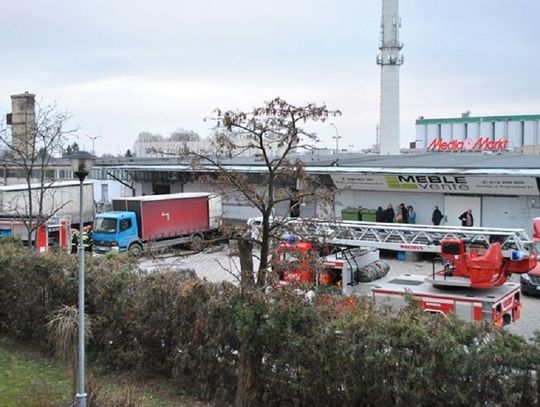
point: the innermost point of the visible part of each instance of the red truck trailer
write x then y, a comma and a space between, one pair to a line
140, 223
171, 215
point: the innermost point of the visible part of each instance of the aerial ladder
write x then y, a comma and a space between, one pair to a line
472, 257
476, 264
409, 237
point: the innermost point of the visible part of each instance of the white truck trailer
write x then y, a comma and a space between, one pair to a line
59, 198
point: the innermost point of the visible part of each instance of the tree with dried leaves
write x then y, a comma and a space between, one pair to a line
272, 133
31, 152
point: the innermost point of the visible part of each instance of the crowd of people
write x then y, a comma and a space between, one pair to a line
403, 214
406, 214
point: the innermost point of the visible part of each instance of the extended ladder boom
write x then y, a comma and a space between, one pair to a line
408, 237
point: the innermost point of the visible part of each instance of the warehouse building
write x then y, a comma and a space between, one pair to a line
473, 134
502, 190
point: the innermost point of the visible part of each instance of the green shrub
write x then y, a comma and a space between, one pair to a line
206, 344
111, 297
303, 353
31, 286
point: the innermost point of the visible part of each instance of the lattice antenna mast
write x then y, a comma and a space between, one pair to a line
390, 60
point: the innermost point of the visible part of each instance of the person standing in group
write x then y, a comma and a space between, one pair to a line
466, 218
437, 216
402, 215
379, 215
412, 214
389, 214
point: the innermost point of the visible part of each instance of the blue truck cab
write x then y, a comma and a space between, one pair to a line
115, 231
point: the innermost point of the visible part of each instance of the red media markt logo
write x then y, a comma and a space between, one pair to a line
482, 144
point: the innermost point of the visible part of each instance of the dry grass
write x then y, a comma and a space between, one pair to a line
63, 330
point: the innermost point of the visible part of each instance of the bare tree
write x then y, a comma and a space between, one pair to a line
271, 133
44, 135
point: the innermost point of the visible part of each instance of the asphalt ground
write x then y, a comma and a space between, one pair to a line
216, 264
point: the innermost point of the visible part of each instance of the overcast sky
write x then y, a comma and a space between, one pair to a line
121, 67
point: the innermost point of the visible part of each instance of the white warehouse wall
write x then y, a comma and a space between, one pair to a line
514, 133
497, 211
446, 132
458, 131
473, 130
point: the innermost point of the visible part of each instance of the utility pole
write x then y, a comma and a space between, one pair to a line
93, 138
337, 137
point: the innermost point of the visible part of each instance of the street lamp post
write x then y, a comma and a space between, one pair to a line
81, 163
337, 137
93, 138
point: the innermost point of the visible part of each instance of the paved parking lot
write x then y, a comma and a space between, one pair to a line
216, 265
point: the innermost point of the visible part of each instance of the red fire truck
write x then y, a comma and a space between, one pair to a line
53, 233
498, 305
314, 264
473, 284
472, 280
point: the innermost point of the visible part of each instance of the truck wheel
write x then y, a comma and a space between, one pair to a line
196, 241
135, 249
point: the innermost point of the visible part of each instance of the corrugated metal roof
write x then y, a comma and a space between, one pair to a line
466, 163
55, 184
437, 160
167, 197
478, 119
430, 159
343, 170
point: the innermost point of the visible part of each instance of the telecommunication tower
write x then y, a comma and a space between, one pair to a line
389, 59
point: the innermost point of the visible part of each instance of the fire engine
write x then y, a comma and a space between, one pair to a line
472, 280
53, 233
317, 264
497, 305
471, 284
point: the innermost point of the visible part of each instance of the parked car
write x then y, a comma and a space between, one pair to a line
255, 225
530, 282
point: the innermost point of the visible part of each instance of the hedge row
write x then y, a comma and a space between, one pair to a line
164, 324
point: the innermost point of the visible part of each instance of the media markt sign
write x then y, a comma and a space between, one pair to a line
450, 184
482, 144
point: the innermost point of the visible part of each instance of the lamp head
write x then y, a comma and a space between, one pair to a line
81, 163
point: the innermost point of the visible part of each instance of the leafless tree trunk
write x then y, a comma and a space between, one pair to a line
245, 253
247, 378
248, 363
